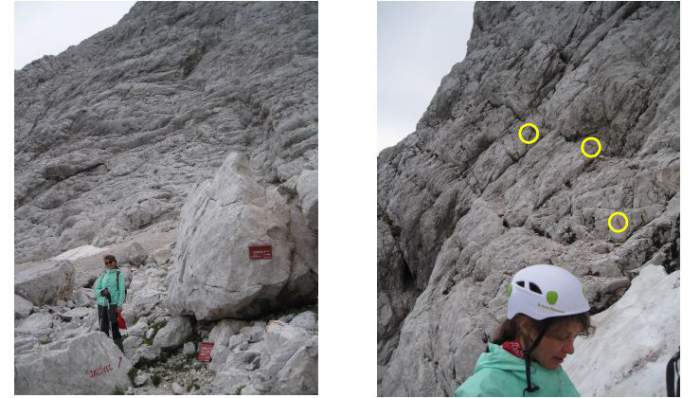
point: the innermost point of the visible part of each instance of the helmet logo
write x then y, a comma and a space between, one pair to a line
549, 308
552, 297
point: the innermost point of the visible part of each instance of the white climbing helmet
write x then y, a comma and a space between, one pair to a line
545, 291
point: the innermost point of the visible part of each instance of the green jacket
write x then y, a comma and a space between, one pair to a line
499, 373
108, 279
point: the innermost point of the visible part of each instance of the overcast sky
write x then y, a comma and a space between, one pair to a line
48, 28
418, 43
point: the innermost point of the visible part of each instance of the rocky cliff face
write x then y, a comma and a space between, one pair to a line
174, 140
111, 135
463, 203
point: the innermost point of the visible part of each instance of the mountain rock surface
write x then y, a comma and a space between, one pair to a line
111, 135
123, 144
463, 203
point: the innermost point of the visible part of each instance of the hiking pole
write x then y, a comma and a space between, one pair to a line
109, 315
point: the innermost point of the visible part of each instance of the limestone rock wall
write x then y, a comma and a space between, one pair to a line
463, 203
111, 135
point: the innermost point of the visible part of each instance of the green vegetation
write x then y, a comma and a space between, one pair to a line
132, 375
196, 337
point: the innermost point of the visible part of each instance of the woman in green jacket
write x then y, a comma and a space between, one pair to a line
110, 293
546, 311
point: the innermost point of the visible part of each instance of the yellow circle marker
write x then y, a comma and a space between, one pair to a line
583, 147
532, 141
624, 228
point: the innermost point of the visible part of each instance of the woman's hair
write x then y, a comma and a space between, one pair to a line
509, 329
110, 258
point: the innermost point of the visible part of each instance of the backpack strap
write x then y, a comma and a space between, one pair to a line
118, 275
99, 278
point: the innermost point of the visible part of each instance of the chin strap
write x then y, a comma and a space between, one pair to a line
533, 387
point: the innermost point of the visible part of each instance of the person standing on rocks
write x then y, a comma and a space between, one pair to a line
110, 293
546, 312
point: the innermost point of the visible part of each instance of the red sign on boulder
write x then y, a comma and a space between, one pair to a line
263, 252
204, 354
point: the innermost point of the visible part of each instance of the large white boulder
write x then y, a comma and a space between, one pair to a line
633, 340
87, 364
46, 282
214, 277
